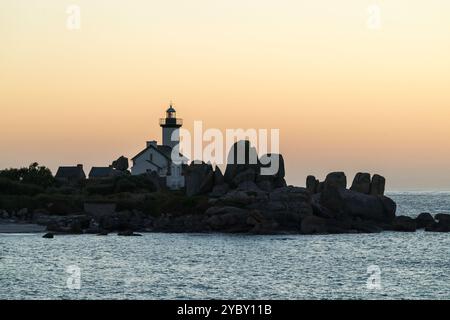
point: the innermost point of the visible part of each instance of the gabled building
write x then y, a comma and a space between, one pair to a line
159, 158
73, 174
104, 173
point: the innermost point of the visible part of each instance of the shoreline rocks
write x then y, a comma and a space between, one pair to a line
247, 198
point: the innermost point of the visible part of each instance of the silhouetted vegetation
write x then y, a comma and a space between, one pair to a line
35, 188
34, 174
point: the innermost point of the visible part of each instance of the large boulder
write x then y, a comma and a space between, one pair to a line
331, 197
318, 225
442, 224
404, 223
248, 175
218, 177
424, 220
265, 185
241, 157
355, 204
365, 226
199, 178
443, 217
361, 183
227, 219
320, 187
377, 185
312, 184
261, 224
293, 200
289, 194
237, 198
336, 179
248, 186
207, 183
219, 190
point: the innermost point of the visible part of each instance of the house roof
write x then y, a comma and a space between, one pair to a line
101, 172
75, 172
165, 151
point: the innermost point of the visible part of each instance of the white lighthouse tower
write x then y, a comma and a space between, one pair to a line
159, 158
170, 128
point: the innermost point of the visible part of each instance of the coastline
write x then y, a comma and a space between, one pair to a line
14, 227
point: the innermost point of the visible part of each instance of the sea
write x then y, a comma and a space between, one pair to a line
388, 265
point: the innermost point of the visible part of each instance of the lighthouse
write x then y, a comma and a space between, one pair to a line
170, 128
158, 158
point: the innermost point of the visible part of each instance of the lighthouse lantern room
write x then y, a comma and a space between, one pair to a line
170, 127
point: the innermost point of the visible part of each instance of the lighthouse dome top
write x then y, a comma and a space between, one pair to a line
171, 120
171, 109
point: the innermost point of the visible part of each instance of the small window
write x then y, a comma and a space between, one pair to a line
151, 156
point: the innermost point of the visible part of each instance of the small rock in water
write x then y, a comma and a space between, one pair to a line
48, 235
129, 233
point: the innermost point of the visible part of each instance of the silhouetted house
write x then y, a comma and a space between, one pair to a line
70, 174
104, 173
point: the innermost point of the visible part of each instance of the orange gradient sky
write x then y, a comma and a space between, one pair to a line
345, 97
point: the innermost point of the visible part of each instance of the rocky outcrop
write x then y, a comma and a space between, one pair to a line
361, 183
199, 178
227, 219
336, 179
312, 184
377, 185
218, 177
248, 175
219, 190
246, 199
208, 182
241, 157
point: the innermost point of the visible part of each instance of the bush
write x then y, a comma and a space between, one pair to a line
17, 202
125, 185
11, 187
100, 189
34, 175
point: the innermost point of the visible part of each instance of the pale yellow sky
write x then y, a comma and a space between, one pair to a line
345, 97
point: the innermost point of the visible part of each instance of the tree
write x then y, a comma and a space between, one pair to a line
34, 174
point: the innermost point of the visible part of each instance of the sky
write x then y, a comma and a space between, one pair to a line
346, 94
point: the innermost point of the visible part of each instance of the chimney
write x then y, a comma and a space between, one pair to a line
151, 143
80, 166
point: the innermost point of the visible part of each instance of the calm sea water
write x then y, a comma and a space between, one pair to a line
193, 266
